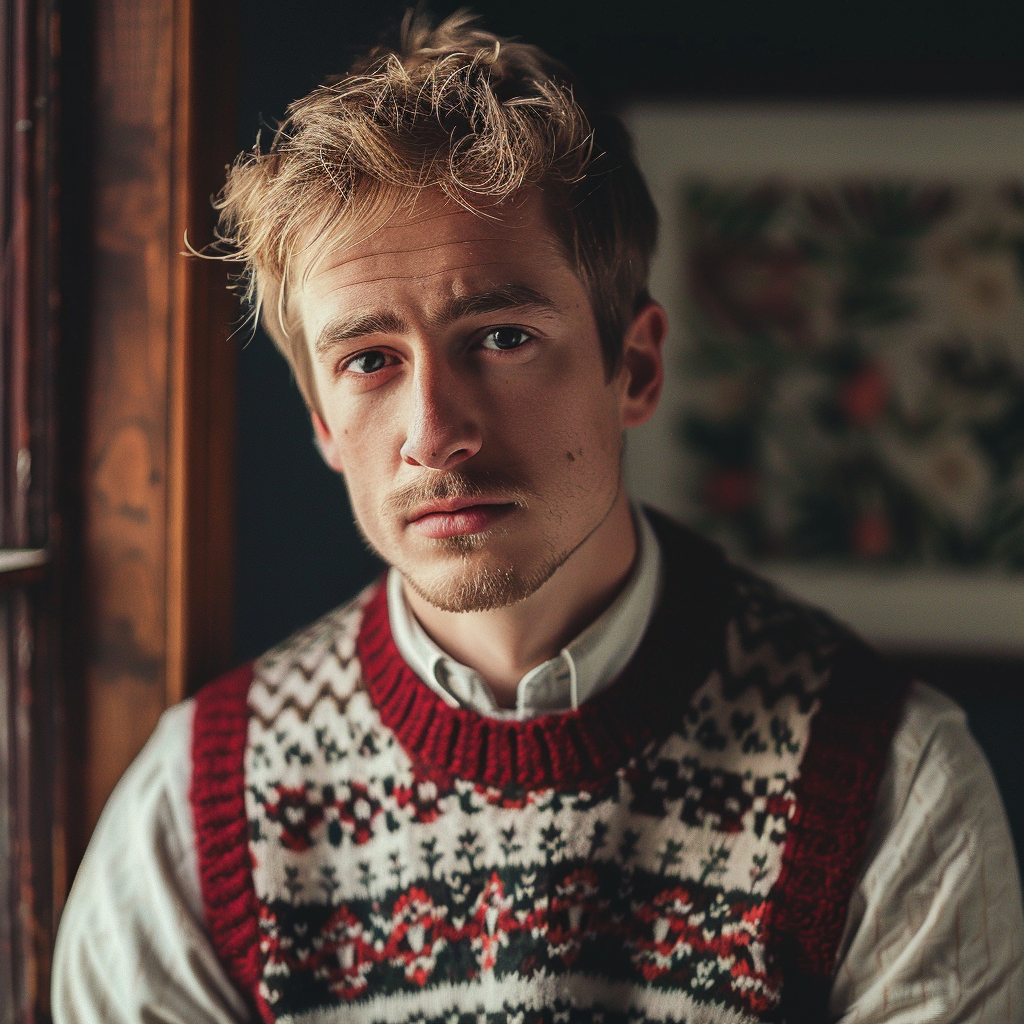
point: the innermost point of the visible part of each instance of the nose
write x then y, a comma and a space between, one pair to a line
442, 431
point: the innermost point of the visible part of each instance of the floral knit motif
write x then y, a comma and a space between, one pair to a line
393, 884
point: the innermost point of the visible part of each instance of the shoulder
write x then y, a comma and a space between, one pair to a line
331, 639
766, 615
295, 669
781, 644
935, 923
145, 826
937, 788
134, 917
153, 796
763, 620
932, 736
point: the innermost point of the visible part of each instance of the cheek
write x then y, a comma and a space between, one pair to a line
359, 426
363, 454
367, 489
577, 448
598, 457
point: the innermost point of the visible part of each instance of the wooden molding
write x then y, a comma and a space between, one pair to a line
159, 411
200, 575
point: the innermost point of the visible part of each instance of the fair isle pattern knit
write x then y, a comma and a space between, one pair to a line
681, 848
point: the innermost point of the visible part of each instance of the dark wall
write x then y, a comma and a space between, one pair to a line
298, 551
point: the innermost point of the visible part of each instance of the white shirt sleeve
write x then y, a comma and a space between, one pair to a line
935, 929
132, 944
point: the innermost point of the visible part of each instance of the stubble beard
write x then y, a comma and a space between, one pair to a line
481, 582
481, 587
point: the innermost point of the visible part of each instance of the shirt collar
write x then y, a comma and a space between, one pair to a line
584, 667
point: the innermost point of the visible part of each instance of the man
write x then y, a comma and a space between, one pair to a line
566, 762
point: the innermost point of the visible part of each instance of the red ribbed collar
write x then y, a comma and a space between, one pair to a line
582, 748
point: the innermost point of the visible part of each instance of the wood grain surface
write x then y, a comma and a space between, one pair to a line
159, 413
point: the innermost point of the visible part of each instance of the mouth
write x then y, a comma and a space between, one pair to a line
456, 517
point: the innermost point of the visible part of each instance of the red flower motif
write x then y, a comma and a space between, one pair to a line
359, 812
342, 955
492, 920
871, 535
576, 911
296, 815
730, 490
416, 935
864, 395
422, 797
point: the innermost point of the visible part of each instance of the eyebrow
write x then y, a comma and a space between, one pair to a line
458, 307
360, 326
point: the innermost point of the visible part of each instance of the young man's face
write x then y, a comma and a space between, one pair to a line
465, 400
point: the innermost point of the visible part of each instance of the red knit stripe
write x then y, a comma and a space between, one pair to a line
219, 732
835, 799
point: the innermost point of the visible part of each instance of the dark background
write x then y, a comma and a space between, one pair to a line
298, 552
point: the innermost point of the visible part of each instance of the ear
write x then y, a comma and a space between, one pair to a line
325, 443
643, 372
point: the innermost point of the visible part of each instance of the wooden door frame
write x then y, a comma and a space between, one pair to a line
154, 535
200, 597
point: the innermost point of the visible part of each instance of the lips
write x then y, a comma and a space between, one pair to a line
443, 506
457, 517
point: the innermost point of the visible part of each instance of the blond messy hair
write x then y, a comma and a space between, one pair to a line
453, 109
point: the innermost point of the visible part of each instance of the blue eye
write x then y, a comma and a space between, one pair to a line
502, 339
367, 362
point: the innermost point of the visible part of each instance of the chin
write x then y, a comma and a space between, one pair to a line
479, 584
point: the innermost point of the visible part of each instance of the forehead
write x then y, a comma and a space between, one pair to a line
437, 246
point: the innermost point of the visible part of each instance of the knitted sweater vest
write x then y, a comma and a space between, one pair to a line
681, 848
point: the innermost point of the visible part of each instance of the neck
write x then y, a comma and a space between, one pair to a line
505, 643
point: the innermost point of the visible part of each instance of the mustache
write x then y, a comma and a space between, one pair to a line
499, 488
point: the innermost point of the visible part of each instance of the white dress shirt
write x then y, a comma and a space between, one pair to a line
934, 931
578, 672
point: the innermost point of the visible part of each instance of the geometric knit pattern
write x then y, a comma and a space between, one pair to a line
585, 866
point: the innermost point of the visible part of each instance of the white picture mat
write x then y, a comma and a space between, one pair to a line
931, 610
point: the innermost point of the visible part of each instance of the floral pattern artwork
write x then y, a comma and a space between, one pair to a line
855, 369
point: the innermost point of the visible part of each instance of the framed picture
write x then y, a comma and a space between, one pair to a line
844, 404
